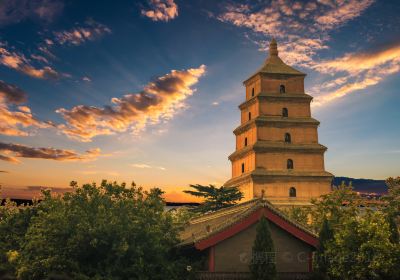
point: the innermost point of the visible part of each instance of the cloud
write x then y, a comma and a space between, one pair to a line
146, 166
8, 159
86, 79
301, 28
78, 35
355, 71
11, 93
141, 165
158, 101
342, 13
161, 10
355, 63
13, 122
15, 11
10, 153
40, 58
20, 63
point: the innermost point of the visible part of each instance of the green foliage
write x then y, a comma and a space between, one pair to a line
340, 203
14, 223
365, 240
262, 266
392, 208
215, 198
181, 215
392, 200
321, 264
362, 249
105, 232
394, 230
299, 214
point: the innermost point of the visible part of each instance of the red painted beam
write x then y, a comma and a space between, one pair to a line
292, 229
214, 239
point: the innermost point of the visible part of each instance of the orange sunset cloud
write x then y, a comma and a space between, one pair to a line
160, 99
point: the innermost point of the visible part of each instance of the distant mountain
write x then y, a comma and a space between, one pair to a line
363, 185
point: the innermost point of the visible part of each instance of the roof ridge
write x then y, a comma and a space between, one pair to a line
259, 203
230, 222
226, 210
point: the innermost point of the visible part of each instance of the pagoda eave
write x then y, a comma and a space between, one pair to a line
289, 97
264, 146
269, 176
272, 74
276, 121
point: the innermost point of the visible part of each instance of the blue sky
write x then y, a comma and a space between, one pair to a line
174, 70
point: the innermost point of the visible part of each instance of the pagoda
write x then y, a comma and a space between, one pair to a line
277, 151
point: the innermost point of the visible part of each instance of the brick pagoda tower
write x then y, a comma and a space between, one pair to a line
277, 150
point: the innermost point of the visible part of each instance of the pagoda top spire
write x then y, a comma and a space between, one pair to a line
274, 64
273, 48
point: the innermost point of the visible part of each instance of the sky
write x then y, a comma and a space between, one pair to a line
147, 91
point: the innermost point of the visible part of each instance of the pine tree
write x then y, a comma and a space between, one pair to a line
321, 263
263, 253
215, 198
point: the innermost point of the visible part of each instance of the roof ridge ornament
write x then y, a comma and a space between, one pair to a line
263, 198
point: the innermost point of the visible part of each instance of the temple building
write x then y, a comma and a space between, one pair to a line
277, 149
224, 239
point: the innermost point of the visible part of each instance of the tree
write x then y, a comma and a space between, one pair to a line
106, 232
321, 262
364, 243
392, 208
299, 214
262, 266
215, 198
393, 197
339, 204
362, 249
392, 211
14, 223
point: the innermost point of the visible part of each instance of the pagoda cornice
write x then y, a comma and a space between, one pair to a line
287, 97
269, 146
276, 121
261, 175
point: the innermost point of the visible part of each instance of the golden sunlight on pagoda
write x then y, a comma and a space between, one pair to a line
277, 150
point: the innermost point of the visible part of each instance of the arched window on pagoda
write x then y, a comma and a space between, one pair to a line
252, 92
249, 115
285, 112
288, 138
245, 141
242, 167
289, 164
282, 89
292, 192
